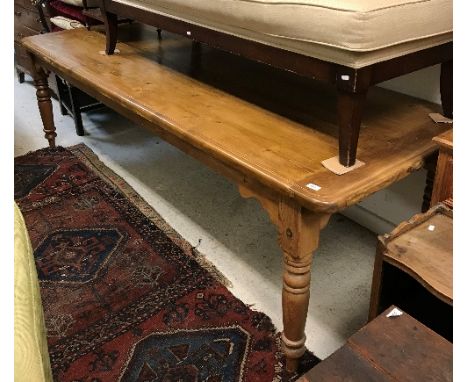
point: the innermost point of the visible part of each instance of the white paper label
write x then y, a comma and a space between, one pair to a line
395, 312
313, 186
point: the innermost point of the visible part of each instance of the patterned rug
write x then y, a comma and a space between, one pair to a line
125, 297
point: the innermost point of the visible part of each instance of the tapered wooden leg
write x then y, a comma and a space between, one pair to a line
61, 89
196, 59
376, 282
446, 88
430, 165
110, 23
75, 107
20, 76
349, 109
45, 105
159, 34
299, 237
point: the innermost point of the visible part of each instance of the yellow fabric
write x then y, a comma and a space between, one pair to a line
32, 362
354, 33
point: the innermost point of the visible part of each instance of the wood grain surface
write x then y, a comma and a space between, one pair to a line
425, 251
388, 349
260, 144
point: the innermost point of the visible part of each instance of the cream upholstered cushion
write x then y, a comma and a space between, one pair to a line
355, 33
65, 22
79, 3
31, 354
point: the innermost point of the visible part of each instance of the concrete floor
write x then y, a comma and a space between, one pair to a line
233, 233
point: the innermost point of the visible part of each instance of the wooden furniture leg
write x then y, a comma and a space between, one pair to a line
349, 109
110, 24
45, 105
446, 88
61, 88
20, 76
430, 165
75, 107
376, 282
195, 59
299, 232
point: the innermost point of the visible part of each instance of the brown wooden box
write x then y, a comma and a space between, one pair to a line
443, 182
397, 348
413, 268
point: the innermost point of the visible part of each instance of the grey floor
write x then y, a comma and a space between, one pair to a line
234, 233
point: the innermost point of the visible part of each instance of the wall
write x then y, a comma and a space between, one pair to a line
387, 208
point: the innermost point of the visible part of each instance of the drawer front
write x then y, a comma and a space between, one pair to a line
26, 4
24, 31
28, 18
22, 59
24, 63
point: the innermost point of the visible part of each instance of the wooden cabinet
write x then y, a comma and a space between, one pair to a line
27, 23
443, 183
395, 348
413, 269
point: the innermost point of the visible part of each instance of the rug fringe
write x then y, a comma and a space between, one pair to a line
211, 269
88, 156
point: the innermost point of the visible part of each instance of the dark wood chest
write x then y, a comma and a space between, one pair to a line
27, 23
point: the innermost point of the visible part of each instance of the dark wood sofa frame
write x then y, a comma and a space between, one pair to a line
352, 84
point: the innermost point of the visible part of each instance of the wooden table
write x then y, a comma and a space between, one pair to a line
388, 349
234, 116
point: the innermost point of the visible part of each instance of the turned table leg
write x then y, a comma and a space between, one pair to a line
45, 105
299, 232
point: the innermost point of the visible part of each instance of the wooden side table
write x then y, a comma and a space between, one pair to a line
413, 269
397, 348
443, 182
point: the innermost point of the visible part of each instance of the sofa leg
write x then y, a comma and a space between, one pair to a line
110, 23
446, 88
349, 108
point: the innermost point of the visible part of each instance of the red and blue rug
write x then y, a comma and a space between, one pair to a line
125, 297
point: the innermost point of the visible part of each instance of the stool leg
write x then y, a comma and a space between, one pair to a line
349, 108
110, 24
446, 88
